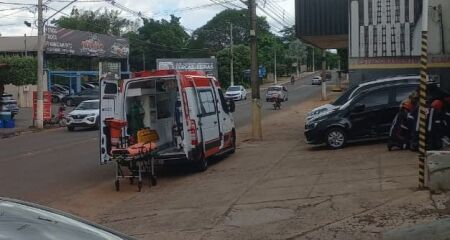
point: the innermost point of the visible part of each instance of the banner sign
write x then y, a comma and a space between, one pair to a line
81, 43
208, 65
109, 71
47, 105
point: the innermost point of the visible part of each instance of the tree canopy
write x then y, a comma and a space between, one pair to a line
18, 71
100, 21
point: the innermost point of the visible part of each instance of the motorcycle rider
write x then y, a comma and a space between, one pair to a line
292, 79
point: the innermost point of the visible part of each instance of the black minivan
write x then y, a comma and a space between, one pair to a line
368, 115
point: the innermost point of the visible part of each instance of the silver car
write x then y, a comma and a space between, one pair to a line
277, 91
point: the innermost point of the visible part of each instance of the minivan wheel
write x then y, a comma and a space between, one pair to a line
336, 138
202, 163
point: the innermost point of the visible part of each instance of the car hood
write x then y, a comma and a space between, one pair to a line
321, 111
233, 92
83, 112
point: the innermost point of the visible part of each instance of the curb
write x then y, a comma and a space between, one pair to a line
19, 132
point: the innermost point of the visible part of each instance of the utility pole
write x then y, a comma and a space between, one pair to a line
256, 101
275, 66
313, 61
423, 95
25, 43
40, 69
231, 53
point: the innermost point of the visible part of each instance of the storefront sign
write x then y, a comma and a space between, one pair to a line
81, 43
208, 65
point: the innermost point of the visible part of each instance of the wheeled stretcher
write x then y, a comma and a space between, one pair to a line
133, 160
137, 159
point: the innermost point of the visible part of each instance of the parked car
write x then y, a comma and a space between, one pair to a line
60, 89
88, 94
237, 92
86, 114
8, 103
366, 116
188, 111
277, 90
317, 80
57, 97
22, 221
355, 90
89, 86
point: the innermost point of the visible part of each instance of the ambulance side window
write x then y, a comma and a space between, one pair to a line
207, 102
110, 88
223, 101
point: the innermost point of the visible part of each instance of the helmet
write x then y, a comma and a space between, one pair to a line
407, 105
437, 104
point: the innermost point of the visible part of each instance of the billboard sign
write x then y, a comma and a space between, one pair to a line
109, 70
81, 43
208, 65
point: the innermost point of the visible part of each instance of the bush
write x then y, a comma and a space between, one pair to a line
20, 70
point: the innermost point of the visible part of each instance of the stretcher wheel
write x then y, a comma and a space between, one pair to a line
117, 184
139, 186
153, 180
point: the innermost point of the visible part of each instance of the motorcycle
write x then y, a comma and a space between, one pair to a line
276, 102
59, 118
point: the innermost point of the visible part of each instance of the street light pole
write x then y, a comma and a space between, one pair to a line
256, 101
231, 53
275, 66
40, 69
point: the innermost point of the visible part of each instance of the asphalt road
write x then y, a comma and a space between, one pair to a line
42, 167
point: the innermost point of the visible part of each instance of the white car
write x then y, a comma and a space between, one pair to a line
317, 80
277, 91
86, 114
236, 93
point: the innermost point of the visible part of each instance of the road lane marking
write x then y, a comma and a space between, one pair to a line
29, 154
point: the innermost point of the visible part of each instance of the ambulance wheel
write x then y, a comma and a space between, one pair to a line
233, 142
202, 163
117, 184
139, 186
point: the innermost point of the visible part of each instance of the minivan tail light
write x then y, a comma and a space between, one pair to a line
193, 130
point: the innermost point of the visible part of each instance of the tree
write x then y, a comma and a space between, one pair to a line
98, 21
157, 39
241, 54
18, 70
215, 34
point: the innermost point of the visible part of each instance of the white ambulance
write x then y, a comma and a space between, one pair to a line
188, 111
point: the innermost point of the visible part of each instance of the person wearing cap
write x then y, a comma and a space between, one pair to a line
399, 135
435, 125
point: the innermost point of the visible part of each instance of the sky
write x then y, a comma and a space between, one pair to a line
12, 16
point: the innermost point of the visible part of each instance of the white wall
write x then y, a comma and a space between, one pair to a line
23, 94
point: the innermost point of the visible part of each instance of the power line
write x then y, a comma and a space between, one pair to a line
18, 4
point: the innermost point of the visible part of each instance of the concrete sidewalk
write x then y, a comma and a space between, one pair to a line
280, 188
24, 122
